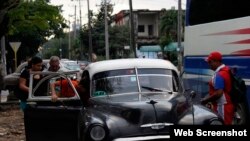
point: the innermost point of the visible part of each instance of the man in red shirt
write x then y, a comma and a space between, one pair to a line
65, 91
219, 88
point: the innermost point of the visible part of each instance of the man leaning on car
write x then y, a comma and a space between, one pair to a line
54, 64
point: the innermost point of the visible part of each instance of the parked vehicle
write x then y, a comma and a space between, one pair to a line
128, 98
70, 65
11, 80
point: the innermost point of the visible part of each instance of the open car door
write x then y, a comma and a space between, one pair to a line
46, 120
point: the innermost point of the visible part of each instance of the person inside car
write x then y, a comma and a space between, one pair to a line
65, 88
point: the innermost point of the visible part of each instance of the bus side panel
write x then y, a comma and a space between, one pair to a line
197, 72
230, 37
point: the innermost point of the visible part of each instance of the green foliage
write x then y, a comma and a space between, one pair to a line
98, 28
53, 48
5, 7
165, 40
168, 24
38, 17
168, 28
32, 23
99, 17
118, 35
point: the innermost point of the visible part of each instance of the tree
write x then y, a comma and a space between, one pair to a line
5, 7
32, 23
118, 35
119, 38
53, 47
168, 28
99, 28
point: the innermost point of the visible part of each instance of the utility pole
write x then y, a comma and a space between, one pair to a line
80, 29
90, 34
69, 40
179, 35
3, 56
106, 31
75, 25
60, 49
132, 31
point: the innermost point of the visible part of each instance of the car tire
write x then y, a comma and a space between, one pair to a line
12, 96
240, 115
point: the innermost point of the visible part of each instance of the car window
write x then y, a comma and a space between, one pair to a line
198, 83
115, 85
70, 65
126, 81
65, 87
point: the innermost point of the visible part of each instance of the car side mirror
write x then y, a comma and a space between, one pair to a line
192, 94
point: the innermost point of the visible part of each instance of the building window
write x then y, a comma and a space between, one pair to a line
141, 28
150, 30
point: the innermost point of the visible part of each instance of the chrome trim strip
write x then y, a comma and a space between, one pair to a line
156, 124
143, 138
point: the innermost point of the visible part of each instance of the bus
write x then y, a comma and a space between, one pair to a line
217, 25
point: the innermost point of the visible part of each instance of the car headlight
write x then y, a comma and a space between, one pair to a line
97, 133
215, 122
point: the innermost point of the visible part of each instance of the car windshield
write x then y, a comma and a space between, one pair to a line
71, 65
125, 81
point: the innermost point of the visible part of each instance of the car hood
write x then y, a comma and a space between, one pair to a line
145, 111
142, 117
150, 111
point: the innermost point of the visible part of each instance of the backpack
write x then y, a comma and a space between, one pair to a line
238, 90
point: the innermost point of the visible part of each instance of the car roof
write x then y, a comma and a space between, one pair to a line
22, 65
117, 64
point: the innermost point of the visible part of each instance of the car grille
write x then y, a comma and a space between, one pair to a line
145, 138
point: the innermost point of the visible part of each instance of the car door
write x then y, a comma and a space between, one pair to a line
47, 120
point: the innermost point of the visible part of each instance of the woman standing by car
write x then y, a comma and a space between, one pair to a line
35, 64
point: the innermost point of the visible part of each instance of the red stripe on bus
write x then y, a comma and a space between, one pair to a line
247, 41
239, 31
242, 52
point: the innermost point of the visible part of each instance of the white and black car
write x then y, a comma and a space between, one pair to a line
128, 99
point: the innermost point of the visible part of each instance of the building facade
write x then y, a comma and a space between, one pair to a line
146, 25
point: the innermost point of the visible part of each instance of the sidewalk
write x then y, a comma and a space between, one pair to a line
7, 98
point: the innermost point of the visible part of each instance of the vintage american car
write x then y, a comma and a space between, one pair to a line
126, 99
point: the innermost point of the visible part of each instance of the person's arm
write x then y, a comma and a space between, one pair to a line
217, 94
219, 85
54, 96
22, 84
80, 89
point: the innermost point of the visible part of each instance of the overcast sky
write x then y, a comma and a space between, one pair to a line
68, 6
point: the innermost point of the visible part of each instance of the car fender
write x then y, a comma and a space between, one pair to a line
198, 115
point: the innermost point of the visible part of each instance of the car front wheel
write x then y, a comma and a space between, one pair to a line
240, 115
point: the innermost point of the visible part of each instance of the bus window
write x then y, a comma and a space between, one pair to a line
204, 11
